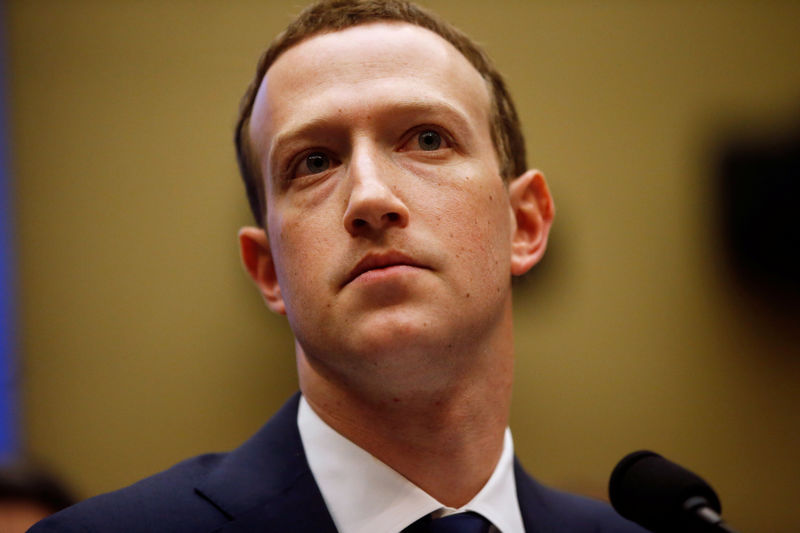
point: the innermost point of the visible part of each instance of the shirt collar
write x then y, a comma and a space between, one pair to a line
364, 495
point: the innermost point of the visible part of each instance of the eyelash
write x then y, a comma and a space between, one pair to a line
295, 162
417, 130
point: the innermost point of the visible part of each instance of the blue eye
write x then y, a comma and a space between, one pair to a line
317, 162
429, 140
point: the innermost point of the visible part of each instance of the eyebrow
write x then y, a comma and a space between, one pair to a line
436, 109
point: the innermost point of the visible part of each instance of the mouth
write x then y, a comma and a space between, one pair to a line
380, 261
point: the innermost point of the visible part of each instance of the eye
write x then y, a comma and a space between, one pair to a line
317, 162
313, 163
429, 140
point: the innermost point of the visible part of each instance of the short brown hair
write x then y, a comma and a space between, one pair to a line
329, 16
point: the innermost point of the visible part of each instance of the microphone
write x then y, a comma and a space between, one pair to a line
664, 497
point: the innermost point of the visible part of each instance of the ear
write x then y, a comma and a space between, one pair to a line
533, 210
257, 260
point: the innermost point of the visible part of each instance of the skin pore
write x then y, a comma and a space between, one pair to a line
390, 243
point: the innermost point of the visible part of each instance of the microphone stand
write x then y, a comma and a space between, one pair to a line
706, 519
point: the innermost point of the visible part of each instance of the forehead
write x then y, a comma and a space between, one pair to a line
353, 71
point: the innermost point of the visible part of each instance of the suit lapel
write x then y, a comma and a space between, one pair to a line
537, 515
266, 484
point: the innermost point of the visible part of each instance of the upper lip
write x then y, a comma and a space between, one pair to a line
374, 260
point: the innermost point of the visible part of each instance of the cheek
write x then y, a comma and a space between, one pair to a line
491, 240
298, 245
476, 222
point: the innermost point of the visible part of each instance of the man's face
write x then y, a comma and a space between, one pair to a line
389, 225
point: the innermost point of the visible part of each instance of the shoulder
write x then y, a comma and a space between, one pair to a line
166, 501
579, 514
545, 509
203, 493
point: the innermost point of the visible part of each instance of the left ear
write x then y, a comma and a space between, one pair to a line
533, 210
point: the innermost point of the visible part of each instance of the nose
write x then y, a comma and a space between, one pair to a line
373, 204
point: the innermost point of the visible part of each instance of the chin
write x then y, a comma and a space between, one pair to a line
387, 330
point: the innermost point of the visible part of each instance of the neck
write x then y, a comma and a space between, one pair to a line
445, 437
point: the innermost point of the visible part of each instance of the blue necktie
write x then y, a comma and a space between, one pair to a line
455, 523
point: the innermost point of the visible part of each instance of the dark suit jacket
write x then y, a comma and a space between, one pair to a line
265, 485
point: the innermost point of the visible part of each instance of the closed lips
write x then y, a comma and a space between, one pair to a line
383, 260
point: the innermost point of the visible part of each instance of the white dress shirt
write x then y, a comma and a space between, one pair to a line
364, 495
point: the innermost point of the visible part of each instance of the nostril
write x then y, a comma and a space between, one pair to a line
363, 223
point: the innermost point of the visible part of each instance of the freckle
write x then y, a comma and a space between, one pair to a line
491, 197
467, 295
395, 399
449, 346
438, 402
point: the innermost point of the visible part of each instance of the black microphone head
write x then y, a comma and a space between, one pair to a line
653, 492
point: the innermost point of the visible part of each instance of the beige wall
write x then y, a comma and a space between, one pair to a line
143, 343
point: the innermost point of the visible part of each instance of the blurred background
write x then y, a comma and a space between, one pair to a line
665, 316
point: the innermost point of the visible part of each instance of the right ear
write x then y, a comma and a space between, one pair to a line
257, 260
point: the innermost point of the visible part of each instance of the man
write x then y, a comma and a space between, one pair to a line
385, 167
28, 493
